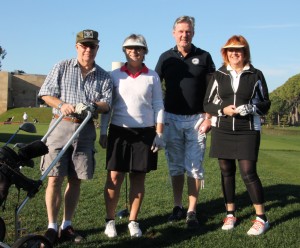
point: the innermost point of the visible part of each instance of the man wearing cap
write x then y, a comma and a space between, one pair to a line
72, 87
184, 70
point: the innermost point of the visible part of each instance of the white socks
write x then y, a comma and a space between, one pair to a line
65, 223
53, 226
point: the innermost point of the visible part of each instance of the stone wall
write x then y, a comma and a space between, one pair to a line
19, 90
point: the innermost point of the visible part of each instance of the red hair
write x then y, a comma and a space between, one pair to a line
236, 40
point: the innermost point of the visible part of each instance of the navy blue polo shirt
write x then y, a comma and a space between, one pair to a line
185, 79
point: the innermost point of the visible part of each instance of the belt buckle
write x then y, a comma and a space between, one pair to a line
75, 120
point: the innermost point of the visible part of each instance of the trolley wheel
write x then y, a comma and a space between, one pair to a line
32, 241
2, 229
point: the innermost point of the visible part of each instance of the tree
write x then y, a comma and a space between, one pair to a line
285, 101
2, 55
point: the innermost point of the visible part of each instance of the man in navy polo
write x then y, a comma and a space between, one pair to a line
184, 71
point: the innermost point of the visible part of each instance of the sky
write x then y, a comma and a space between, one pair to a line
37, 34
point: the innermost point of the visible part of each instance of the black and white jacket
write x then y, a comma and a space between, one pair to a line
251, 89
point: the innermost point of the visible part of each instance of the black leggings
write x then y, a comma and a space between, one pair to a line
249, 176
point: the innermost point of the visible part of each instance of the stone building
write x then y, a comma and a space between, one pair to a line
18, 90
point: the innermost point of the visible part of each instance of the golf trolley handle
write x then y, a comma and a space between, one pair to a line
61, 153
52, 128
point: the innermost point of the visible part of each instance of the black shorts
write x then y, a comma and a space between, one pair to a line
129, 149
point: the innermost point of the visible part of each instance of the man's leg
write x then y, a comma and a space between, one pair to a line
193, 192
174, 151
71, 196
53, 202
53, 198
177, 185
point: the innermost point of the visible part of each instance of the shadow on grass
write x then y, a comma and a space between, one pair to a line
158, 233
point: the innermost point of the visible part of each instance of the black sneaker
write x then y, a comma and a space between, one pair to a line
178, 214
68, 234
191, 220
51, 235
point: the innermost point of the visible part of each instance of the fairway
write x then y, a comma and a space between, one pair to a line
279, 170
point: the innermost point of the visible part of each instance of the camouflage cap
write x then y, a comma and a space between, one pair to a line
87, 36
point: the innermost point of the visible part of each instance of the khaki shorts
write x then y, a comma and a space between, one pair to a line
78, 160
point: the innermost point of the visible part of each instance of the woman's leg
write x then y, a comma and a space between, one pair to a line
228, 169
255, 190
253, 184
136, 193
112, 188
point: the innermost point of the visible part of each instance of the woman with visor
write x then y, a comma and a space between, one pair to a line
134, 134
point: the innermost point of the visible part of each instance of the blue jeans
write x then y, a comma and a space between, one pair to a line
185, 147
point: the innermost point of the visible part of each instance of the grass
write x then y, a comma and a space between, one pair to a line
42, 114
278, 168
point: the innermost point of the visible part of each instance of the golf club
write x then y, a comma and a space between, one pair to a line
125, 212
27, 127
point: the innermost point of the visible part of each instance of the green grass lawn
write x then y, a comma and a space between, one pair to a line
279, 170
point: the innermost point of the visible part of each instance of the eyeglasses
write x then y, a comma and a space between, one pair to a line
92, 46
137, 48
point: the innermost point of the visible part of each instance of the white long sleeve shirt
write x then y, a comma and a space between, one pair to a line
137, 101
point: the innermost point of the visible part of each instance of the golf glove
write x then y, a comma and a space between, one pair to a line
82, 108
245, 109
158, 142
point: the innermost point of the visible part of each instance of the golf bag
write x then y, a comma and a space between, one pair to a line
10, 164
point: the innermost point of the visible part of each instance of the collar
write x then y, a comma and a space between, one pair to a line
193, 49
246, 68
143, 70
77, 64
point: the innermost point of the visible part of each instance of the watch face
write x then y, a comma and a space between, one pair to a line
60, 105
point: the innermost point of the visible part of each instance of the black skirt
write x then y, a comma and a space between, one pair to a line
234, 144
129, 149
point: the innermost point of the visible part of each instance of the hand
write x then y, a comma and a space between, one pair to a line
92, 107
82, 108
103, 141
205, 126
230, 110
158, 142
245, 109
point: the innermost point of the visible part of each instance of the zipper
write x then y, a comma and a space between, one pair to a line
234, 100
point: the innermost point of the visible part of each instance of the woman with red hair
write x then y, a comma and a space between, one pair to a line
236, 97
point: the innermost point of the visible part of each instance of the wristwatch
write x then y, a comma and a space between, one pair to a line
60, 105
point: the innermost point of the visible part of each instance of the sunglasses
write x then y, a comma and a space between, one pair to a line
88, 45
137, 48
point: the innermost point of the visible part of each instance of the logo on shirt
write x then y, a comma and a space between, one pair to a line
195, 61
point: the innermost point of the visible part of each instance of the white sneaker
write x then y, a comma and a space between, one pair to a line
229, 222
110, 229
259, 227
134, 229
